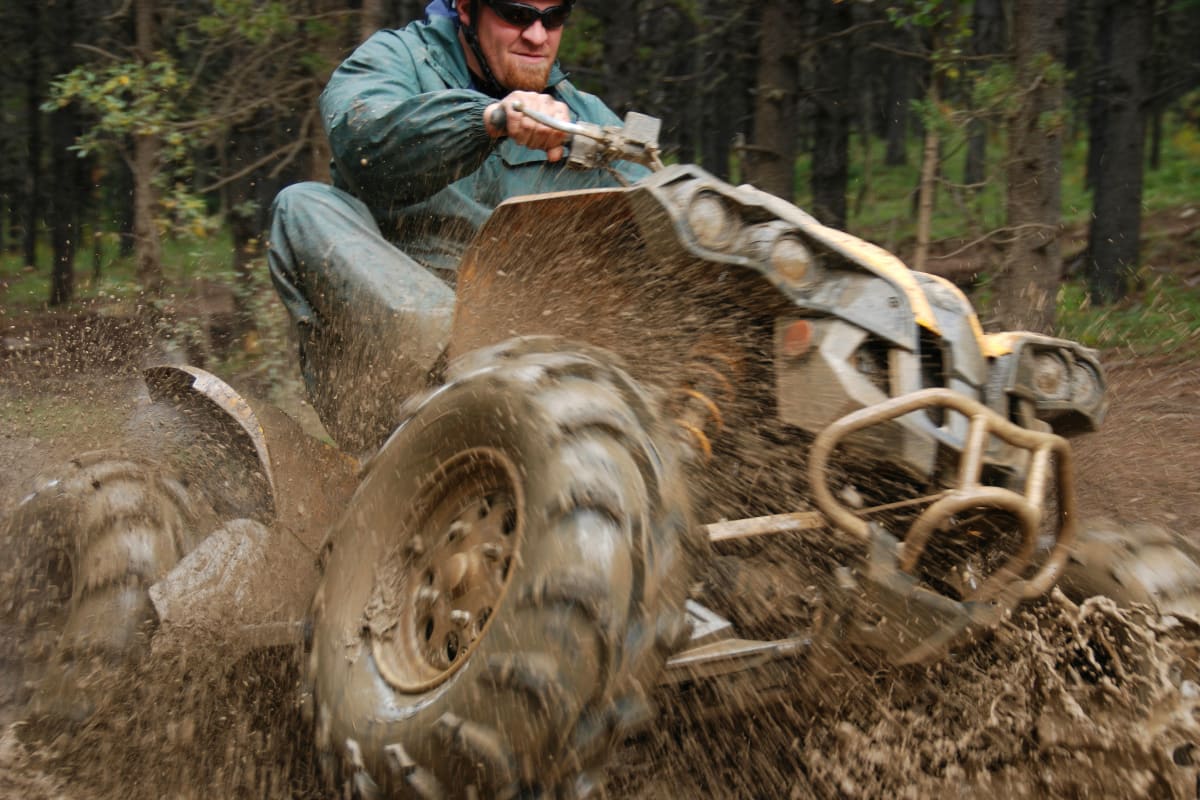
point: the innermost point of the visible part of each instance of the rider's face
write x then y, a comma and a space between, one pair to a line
520, 58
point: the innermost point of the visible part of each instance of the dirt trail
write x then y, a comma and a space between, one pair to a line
1144, 463
1060, 702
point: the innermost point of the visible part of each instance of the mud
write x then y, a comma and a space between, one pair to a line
1063, 701
1060, 701
175, 727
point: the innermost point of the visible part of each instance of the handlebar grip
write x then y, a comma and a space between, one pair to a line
498, 119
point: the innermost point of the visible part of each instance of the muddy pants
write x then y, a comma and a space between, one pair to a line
372, 322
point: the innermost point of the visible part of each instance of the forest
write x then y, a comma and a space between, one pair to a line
138, 132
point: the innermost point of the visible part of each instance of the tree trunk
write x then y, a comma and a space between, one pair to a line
900, 91
724, 73
147, 244
67, 184
1124, 32
927, 190
987, 41
33, 157
372, 18
618, 18
1154, 160
329, 45
772, 157
832, 111
1026, 288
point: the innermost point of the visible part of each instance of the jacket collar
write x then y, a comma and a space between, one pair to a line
445, 53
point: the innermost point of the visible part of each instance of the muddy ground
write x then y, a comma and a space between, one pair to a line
1063, 701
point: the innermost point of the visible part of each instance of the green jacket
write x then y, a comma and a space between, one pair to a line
407, 133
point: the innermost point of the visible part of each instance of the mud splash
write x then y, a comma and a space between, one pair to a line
174, 727
1062, 701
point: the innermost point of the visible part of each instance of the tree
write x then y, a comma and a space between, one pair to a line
147, 246
770, 162
372, 18
1123, 41
34, 85
833, 106
987, 44
1026, 287
619, 45
66, 203
165, 110
897, 65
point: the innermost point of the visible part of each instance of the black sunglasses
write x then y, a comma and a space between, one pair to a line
523, 15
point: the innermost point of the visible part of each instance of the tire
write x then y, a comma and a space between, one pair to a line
552, 474
1139, 563
89, 541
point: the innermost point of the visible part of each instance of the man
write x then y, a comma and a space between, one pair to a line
366, 266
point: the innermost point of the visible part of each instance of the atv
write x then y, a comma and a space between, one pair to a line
488, 602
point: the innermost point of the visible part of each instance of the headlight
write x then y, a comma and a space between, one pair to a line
793, 261
1051, 378
711, 221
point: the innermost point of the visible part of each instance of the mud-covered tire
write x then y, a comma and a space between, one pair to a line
1134, 563
85, 546
589, 606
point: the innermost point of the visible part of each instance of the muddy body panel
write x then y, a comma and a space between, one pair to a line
734, 276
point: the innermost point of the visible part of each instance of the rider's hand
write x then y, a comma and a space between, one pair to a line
523, 130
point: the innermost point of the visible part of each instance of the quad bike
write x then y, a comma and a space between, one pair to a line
489, 601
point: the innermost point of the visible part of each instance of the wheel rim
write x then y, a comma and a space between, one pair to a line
436, 595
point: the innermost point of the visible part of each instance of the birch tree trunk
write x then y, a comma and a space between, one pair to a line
928, 185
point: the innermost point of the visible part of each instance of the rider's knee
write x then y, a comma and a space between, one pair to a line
298, 198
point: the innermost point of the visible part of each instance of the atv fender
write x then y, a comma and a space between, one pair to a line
302, 483
249, 582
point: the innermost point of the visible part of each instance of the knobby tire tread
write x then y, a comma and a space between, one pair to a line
603, 428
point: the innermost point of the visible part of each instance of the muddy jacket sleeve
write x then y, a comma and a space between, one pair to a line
398, 128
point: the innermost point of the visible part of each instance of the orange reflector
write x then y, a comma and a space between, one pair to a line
797, 338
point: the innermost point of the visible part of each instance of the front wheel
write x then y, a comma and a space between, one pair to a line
502, 593
1138, 563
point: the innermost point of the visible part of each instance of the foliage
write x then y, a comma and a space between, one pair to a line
886, 215
582, 41
948, 21
259, 23
132, 99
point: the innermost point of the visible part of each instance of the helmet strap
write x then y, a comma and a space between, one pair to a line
488, 82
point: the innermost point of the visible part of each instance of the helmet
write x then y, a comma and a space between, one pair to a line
491, 85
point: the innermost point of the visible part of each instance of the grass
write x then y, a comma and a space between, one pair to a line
1163, 317
183, 261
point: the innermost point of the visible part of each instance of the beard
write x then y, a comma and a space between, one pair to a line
524, 77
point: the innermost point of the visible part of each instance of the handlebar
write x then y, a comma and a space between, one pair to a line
636, 140
499, 120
